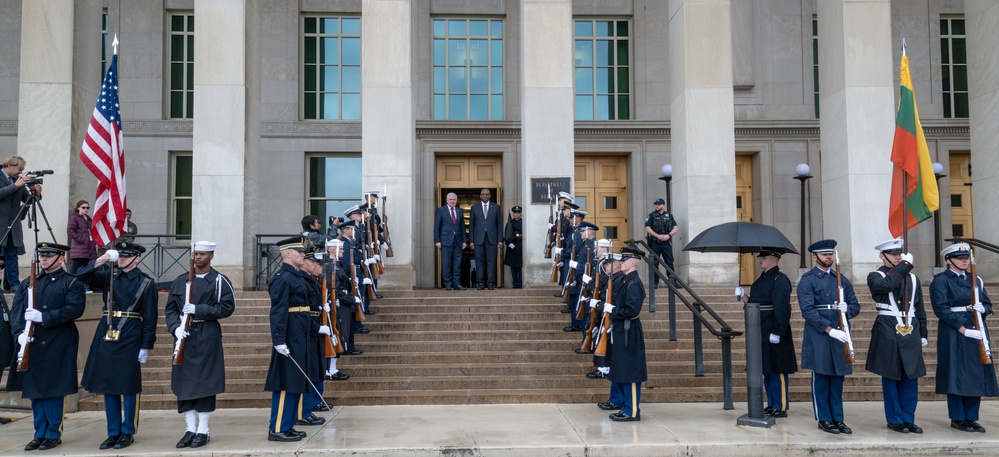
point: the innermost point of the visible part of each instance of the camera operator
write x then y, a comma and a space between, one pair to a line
15, 190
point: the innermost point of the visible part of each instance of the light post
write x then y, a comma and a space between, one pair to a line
937, 173
667, 177
802, 170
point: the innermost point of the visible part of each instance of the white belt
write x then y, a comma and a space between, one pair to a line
884, 306
886, 312
959, 309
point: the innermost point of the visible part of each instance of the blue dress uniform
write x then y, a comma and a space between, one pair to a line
960, 373
567, 240
661, 223
342, 297
52, 369
513, 235
626, 349
584, 252
896, 352
113, 367
820, 352
352, 255
312, 398
772, 290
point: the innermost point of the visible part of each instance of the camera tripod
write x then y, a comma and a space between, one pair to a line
34, 202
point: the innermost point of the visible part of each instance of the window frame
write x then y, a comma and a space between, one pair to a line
347, 200
615, 69
306, 92
175, 218
948, 79
495, 100
187, 85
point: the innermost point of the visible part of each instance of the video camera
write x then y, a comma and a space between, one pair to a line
34, 176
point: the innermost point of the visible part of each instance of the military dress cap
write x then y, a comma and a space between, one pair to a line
570, 205
566, 196
578, 213
296, 242
822, 246
334, 242
349, 224
659, 201
46, 247
603, 243
517, 209
128, 248
316, 256
890, 246
629, 252
205, 246
765, 253
356, 209
959, 250
371, 192
587, 226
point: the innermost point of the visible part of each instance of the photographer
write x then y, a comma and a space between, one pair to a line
15, 190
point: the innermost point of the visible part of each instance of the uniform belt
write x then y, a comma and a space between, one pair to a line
299, 309
959, 309
826, 307
198, 321
123, 314
884, 306
314, 313
887, 312
766, 307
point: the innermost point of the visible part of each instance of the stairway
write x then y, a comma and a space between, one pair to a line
500, 346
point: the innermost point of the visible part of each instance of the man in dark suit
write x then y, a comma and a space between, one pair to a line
449, 234
14, 189
487, 234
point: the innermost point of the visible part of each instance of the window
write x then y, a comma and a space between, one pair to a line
815, 64
468, 69
333, 183
603, 78
181, 171
954, 63
181, 66
104, 43
331, 77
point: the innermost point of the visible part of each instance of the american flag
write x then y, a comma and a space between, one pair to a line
102, 154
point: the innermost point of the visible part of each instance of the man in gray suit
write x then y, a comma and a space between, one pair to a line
449, 237
14, 189
487, 238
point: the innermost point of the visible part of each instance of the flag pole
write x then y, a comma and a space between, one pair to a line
905, 222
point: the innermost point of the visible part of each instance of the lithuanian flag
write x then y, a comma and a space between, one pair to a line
912, 160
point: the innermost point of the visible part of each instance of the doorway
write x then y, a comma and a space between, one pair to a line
602, 191
466, 177
744, 211
962, 213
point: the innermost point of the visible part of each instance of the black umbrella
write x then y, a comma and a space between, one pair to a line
741, 237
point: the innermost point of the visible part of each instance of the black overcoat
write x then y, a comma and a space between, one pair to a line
772, 290
892, 354
959, 371
289, 291
626, 349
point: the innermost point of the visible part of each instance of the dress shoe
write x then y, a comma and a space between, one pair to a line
564, 311
322, 407
185, 441
778, 413
378, 296
621, 417
49, 443
608, 406
200, 439
353, 352
364, 330
109, 443
490, 287
370, 313
596, 374
975, 425
581, 351
515, 286
842, 427
125, 440
572, 328
283, 436
311, 420
447, 288
963, 426
558, 295
459, 288
296, 432
4, 420
480, 287
33, 444
769, 410
913, 428
901, 428
338, 376
828, 427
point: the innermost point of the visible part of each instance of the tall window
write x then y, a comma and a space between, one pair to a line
333, 183
815, 64
331, 78
603, 76
181, 66
181, 172
468, 69
104, 43
954, 63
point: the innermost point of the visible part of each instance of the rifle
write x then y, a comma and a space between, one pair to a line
376, 248
844, 323
570, 277
388, 237
329, 346
605, 320
367, 253
549, 242
29, 327
178, 351
984, 349
588, 333
112, 333
557, 263
359, 309
581, 310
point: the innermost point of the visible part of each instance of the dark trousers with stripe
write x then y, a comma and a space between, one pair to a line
962, 408
48, 416
827, 397
284, 411
777, 387
630, 394
900, 398
311, 399
117, 424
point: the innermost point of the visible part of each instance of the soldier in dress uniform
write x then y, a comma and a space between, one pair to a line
961, 375
563, 198
373, 221
626, 348
898, 335
113, 365
311, 270
565, 220
660, 227
343, 299
598, 295
59, 300
201, 377
351, 255
823, 342
582, 246
513, 235
772, 290
359, 241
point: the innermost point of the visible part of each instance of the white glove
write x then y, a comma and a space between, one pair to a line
907, 257
385, 246
325, 330
842, 307
593, 303
377, 258
973, 334
556, 251
180, 333
977, 307
283, 350
357, 300
143, 355
112, 255
573, 264
838, 334
924, 342
326, 307
774, 338
511, 246
371, 246
550, 226
587, 278
33, 315
739, 291
188, 309
608, 308
23, 339
366, 281
333, 340
369, 262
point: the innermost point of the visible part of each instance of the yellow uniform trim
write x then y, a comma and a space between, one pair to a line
299, 309
277, 421
138, 398
634, 400
783, 391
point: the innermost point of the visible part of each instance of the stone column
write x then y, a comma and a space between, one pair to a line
858, 72
388, 125
546, 115
224, 194
983, 64
702, 132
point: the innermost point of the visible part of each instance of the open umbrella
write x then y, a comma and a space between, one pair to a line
741, 237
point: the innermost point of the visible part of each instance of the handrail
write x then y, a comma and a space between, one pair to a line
975, 242
268, 262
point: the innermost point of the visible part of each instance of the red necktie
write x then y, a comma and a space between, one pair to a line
454, 220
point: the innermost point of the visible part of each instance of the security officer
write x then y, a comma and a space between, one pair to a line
342, 298
898, 335
961, 375
122, 342
59, 300
626, 349
513, 234
823, 343
201, 377
772, 290
583, 249
311, 270
350, 264
660, 228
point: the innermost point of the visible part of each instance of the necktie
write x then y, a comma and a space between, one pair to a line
454, 220
485, 210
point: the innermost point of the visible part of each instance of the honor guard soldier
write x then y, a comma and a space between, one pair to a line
342, 298
582, 247
291, 335
513, 235
201, 376
56, 301
350, 263
824, 340
964, 373
898, 335
598, 295
125, 335
376, 230
626, 349
311, 270
358, 244
565, 220
660, 227
772, 290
